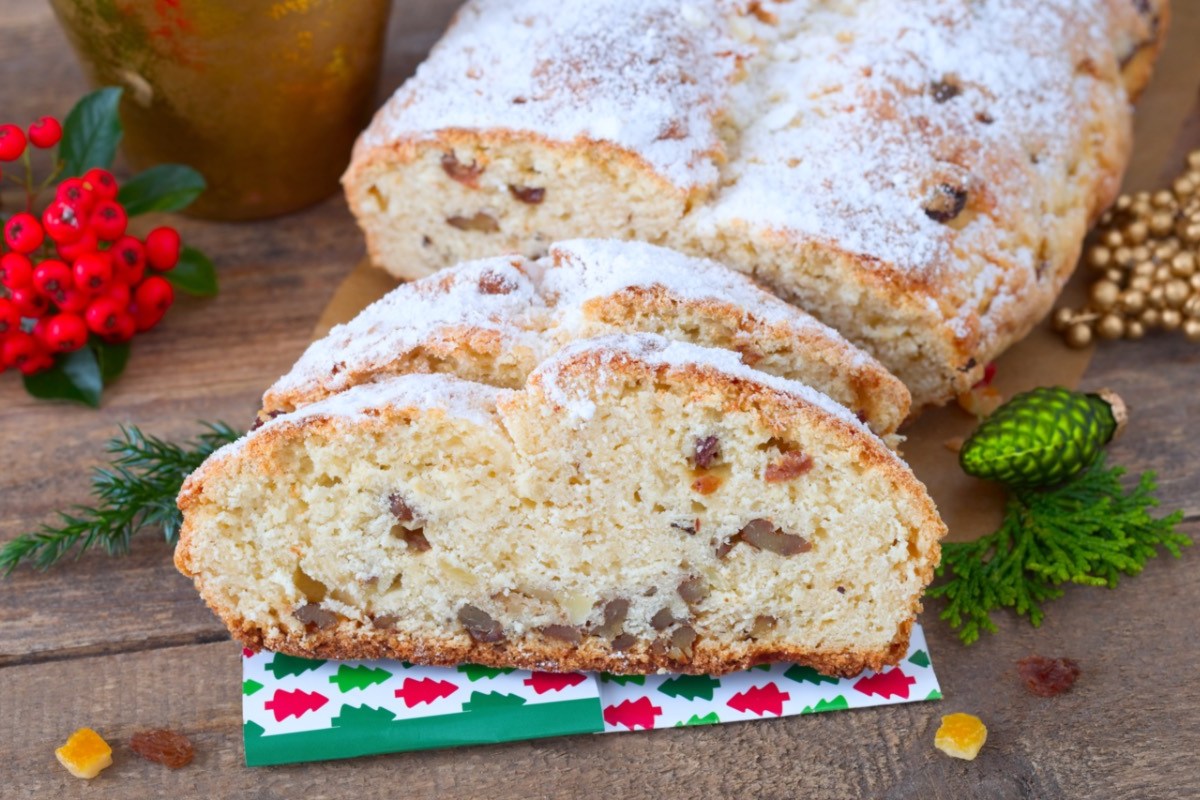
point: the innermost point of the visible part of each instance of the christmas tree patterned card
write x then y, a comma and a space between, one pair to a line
297, 709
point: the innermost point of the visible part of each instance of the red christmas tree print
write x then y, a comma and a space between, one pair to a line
294, 704
425, 690
893, 683
633, 714
760, 700
543, 682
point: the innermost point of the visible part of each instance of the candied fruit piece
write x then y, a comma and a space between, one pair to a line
961, 736
85, 754
168, 748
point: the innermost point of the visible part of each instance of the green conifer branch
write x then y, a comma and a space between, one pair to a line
136, 491
1089, 531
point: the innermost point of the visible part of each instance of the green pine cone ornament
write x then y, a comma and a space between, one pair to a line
1042, 437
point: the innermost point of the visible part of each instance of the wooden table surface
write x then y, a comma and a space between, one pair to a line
123, 644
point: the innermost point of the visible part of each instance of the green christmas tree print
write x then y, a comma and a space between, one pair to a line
807, 675
283, 666
690, 687
359, 677
475, 672
836, 704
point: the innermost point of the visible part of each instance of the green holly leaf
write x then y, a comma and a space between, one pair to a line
359, 677
194, 274
807, 675
476, 671
690, 687
74, 376
91, 132
250, 686
167, 187
112, 359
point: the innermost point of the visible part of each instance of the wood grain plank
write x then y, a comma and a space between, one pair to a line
1127, 730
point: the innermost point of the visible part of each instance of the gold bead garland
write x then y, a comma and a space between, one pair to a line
1145, 252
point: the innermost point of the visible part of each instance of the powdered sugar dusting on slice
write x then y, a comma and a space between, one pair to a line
656, 350
634, 74
492, 294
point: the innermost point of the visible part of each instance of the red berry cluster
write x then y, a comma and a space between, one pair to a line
75, 271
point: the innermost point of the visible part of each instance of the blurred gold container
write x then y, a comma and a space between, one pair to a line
263, 97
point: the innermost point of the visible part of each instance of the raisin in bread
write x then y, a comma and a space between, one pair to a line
496, 319
639, 505
916, 173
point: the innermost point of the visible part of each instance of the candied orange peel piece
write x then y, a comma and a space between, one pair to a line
961, 736
85, 754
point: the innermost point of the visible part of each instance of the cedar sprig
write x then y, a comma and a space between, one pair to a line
1088, 531
136, 491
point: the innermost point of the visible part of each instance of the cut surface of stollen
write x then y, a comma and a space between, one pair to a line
640, 505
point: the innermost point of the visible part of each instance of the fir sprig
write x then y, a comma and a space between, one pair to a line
1089, 531
136, 491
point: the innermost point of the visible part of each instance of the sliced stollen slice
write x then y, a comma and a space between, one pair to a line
494, 320
639, 505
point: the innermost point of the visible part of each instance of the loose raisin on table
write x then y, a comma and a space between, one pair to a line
168, 748
1048, 677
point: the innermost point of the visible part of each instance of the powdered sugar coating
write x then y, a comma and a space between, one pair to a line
595, 268
530, 302
639, 78
492, 294
655, 350
854, 114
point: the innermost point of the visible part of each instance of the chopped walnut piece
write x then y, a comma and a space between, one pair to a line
400, 508
466, 174
763, 625
768, 537
662, 619
762, 534
415, 540
385, 621
615, 612
1048, 677
946, 202
791, 465
171, 749
705, 451
706, 484
565, 633
682, 641
491, 283
624, 642
313, 614
693, 590
481, 222
480, 624
528, 194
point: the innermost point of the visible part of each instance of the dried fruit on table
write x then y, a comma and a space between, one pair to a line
961, 736
85, 754
168, 748
1048, 677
